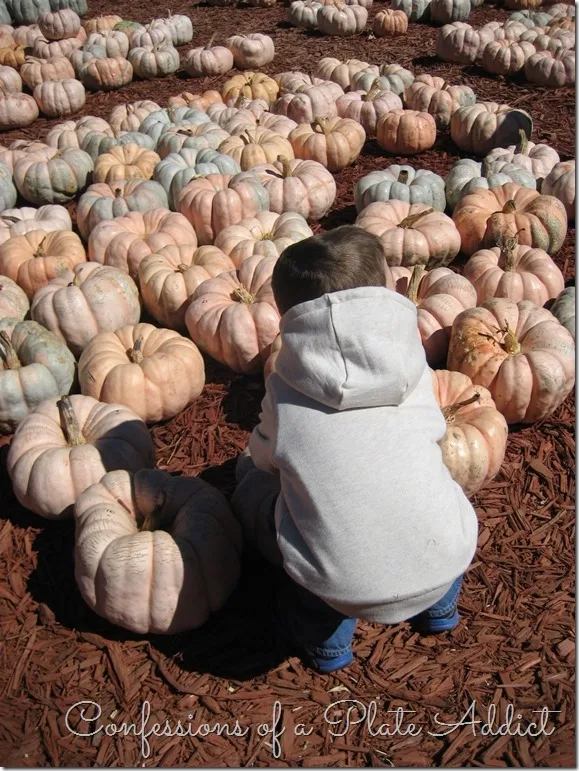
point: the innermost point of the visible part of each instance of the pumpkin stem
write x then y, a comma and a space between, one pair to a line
371, 94
182, 268
414, 283
210, 43
246, 139
403, 176
286, 165
523, 146
8, 353
40, 248
135, 353
509, 207
69, 423
118, 192
409, 221
508, 245
450, 411
157, 519
510, 342
241, 295
322, 124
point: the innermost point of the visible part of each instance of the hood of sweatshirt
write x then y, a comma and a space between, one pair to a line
352, 349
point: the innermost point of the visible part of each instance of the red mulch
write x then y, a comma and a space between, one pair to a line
516, 644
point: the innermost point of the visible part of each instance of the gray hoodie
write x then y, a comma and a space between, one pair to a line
368, 518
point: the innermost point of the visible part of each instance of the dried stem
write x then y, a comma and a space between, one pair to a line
523, 146
403, 176
414, 283
241, 295
409, 221
69, 424
8, 353
510, 343
450, 411
157, 519
286, 165
135, 354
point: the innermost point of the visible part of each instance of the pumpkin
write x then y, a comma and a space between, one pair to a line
234, 318
128, 117
157, 123
231, 118
168, 279
56, 25
480, 127
181, 28
13, 301
390, 23
35, 71
178, 169
17, 222
57, 98
154, 372
267, 234
156, 62
367, 107
439, 295
34, 366
8, 193
21, 148
388, 77
254, 85
447, 11
304, 14
305, 187
411, 234
114, 42
26, 11
402, 183
307, 106
12, 56
513, 271
520, 352
473, 447
256, 107
96, 144
551, 68
208, 60
154, 34
106, 73
538, 159
506, 57
125, 162
194, 136
175, 540
560, 182
333, 142
33, 259
256, 146
101, 23
103, 201
216, 201
17, 111
66, 47
80, 303
459, 42
467, 176
26, 35
435, 96
10, 80
297, 82
65, 445
416, 10
251, 51
279, 124
341, 20
70, 134
563, 309
485, 216
406, 132
337, 71
195, 101
125, 241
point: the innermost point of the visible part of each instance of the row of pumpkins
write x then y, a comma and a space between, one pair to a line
539, 45
191, 232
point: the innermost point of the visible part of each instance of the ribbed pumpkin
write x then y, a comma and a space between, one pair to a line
53, 179
480, 127
564, 309
125, 162
333, 142
104, 201
106, 73
406, 132
17, 222
437, 97
367, 107
401, 183
560, 182
14, 303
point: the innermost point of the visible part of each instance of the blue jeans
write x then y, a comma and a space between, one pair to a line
324, 632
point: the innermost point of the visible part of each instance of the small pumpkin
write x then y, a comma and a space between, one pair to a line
520, 352
58, 98
178, 169
437, 97
181, 28
65, 445
390, 23
341, 72
128, 117
195, 136
81, 303
34, 366
56, 25
106, 73
156, 62
506, 57
388, 77
333, 142
253, 85
459, 42
154, 34
538, 159
17, 110
234, 318
10, 80
560, 182
114, 42
304, 13
168, 279
406, 132
368, 107
473, 447
251, 51
125, 162
208, 60
14, 303
307, 106
101, 23
416, 10
18, 222
181, 528
256, 146
466, 176
35, 71
402, 183
341, 20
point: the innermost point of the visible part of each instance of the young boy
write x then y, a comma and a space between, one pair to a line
343, 483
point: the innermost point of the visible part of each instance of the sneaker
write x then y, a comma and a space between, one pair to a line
424, 624
291, 647
325, 666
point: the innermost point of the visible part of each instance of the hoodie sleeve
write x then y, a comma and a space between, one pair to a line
263, 437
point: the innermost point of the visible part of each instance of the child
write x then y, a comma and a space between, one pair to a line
343, 482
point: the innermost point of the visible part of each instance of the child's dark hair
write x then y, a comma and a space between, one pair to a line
345, 258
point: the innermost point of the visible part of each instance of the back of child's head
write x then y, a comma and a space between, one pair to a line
345, 258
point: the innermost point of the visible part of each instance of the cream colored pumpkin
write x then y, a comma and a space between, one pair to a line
341, 20
101, 23
551, 68
459, 42
154, 34
208, 61
156, 62
168, 279
411, 234
539, 159
128, 117
154, 372
173, 541
66, 445
18, 222
406, 132
307, 105
17, 110
333, 142
520, 352
125, 162
256, 146
480, 127
266, 234
437, 97
35, 71
368, 107
10, 80
32, 260
56, 25
560, 182
506, 57
234, 317
13, 300
57, 98
106, 73
473, 448
195, 101
80, 303
513, 271
338, 71
251, 51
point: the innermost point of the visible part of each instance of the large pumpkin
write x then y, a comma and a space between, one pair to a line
406, 132
474, 445
80, 303
401, 183
125, 162
66, 445
367, 107
520, 352
34, 366
485, 216
437, 97
256, 146
234, 317
55, 179
154, 372
251, 51
18, 222
155, 554
333, 142
480, 127
538, 159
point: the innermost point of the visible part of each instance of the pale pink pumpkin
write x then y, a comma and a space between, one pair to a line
368, 107
474, 445
520, 352
234, 317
